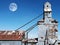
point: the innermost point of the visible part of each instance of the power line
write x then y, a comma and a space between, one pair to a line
30, 28
29, 21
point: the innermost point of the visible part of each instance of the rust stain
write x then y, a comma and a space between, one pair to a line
10, 35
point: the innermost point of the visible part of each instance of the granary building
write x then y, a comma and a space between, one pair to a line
48, 27
11, 37
15, 38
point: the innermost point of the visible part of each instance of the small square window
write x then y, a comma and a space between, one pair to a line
47, 5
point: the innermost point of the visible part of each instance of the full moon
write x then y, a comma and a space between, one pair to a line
13, 7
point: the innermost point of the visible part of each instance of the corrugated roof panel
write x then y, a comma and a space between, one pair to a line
11, 35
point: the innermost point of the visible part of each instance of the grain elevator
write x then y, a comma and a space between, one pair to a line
47, 33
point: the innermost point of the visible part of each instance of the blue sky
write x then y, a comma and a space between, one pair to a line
27, 10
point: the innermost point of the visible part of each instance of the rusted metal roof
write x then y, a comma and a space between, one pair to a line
12, 35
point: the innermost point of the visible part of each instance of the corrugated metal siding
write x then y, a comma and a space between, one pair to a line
41, 34
10, 42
